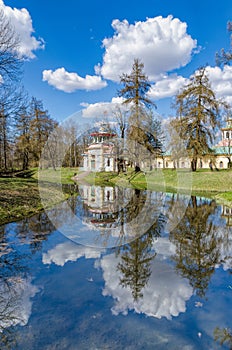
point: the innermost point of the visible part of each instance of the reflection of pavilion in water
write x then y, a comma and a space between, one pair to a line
100, 205
226, 213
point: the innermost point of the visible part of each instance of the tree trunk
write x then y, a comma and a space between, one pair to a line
194, 164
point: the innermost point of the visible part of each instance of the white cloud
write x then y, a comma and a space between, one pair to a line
70, 251
165, 294
168, 86
102, 109
16, 304
221, 81
162, 44
69, 82
219, 78
22, 23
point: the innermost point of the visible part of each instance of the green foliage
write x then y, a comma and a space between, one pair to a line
135, 265
143, 131
197, 247
198, 113
136, 86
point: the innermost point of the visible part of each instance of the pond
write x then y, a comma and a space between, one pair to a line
131, 269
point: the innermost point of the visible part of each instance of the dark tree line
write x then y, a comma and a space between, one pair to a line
24, 129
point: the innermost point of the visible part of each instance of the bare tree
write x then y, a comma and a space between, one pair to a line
40, 127
11, 100
10, 64
225, 57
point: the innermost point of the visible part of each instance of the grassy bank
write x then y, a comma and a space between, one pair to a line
214, 184
20, 197
207, 181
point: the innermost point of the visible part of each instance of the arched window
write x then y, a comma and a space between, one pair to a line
227, 135
221, 164
108, 162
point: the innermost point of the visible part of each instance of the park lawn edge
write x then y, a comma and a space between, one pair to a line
20, 197
23, 189
221, 191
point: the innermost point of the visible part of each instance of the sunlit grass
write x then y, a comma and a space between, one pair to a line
60, 175
20, 197
206, 181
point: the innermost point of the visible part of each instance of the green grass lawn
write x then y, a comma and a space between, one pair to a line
20, 197
207, 181
216, 184
63, 175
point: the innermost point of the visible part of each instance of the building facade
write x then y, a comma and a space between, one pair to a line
100, 155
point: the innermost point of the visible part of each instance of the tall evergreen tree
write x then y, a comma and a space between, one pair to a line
198, 113
135, 88
134, 91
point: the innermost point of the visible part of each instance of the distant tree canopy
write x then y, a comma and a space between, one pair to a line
198, 112
34, 126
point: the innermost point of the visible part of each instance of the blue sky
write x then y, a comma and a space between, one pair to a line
76, 50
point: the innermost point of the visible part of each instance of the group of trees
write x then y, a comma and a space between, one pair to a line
199, 113
198, 117
25, 126
194, 128
24, 123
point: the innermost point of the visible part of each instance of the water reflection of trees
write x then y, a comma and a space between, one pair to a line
136, 258
34, 230
12, 268
197, 244
223, 336
135, 265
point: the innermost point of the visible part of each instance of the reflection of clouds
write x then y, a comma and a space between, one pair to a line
15, 302
224, 235
165, 294
70, 251
164, 247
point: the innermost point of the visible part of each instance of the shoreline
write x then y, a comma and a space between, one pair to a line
20, 198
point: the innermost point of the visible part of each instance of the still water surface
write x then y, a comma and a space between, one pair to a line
144, 270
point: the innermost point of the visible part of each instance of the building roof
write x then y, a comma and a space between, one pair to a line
222, 150
104, 133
